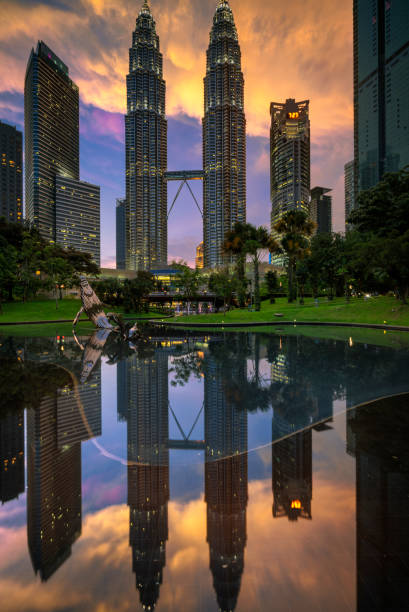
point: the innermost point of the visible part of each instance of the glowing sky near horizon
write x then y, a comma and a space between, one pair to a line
300, 49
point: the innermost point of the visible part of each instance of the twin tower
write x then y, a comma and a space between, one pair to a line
224, 143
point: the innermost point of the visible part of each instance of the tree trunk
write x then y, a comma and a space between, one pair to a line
241, 273
257, 302
291, 267
302, 295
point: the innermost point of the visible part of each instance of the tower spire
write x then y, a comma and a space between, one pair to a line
146, 7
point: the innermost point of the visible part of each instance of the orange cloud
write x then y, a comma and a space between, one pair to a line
300, 49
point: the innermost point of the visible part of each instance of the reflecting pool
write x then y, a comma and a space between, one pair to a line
204, 471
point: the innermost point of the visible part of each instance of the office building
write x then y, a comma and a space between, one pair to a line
77, 216
381, 89
200, 256
224, 137
121, 234
349, 178
11, 173
146, 149
321, 210
290, 159
51, 106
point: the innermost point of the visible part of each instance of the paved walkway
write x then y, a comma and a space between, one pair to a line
281, 324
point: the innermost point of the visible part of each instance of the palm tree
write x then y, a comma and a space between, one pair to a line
295, 228
234, 245
258, 239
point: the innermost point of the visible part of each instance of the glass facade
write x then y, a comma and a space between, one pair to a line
51, 106
121, 234
290, 159
381, 89
77, 217
11, 173
146, 149
224, 136
349, 178
321, 210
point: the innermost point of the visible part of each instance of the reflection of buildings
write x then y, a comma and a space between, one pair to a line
292, 475
379, 441
225, 487
146, 397
55, 431
11, 455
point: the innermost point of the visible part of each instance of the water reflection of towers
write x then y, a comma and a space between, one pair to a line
145, 394
226, 490
55, 431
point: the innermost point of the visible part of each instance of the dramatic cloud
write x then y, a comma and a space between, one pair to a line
300, 49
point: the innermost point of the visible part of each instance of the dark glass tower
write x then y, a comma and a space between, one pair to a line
11, 173
224, 136
381, 89
11, 455
51, 107
120, 234
146, 149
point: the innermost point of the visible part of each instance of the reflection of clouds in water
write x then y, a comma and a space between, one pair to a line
309, 564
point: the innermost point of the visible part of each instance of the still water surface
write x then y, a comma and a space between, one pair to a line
203, 473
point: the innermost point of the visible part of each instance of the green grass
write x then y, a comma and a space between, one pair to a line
374, 310
45, 310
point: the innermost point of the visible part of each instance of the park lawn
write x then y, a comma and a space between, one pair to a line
378, 310
45, 310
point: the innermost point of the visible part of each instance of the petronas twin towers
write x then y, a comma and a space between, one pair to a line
224, 143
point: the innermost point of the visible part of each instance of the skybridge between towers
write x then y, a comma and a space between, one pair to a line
184, 176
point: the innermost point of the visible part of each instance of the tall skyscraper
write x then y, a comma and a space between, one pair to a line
77, 216
121, 234
381, 89
51, 107
11, 173
290, 158
349, 179
224, 136
146, 149
321, 210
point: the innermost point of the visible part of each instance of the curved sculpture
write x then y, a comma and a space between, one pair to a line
92, 306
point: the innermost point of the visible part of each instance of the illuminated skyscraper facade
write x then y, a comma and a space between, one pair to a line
11, 173
146, 149
349, 179
290, 158
51, 107
224, 136
381, 89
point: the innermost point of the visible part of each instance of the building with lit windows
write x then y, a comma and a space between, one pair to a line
120, 234
200, 256
77, 216
11, 455
11, 173
349, 179
146, 149
290, 159
224, 136
381, 89
321, 210
51, 109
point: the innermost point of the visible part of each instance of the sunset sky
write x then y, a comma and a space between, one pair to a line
298, 48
